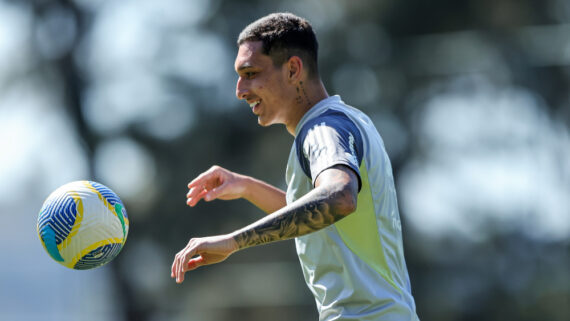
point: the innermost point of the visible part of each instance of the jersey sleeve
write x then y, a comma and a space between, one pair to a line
328, 140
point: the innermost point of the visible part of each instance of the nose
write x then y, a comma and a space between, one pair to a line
241, 90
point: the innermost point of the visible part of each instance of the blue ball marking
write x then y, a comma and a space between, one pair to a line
108, 194
98, 256
60, 215
48, 237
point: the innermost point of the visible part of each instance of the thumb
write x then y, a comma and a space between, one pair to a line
195, 263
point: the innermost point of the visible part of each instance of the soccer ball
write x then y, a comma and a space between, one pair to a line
83, 225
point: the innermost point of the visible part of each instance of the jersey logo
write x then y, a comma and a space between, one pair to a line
353, 158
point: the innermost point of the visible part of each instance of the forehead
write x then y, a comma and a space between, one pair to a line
250, 55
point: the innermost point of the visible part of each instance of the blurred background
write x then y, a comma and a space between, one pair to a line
471, 97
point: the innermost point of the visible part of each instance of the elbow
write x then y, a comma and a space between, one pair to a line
347, 203
339, 187
351, 206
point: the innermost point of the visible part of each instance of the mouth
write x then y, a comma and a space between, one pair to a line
253, 105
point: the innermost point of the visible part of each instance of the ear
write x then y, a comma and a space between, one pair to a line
294, 69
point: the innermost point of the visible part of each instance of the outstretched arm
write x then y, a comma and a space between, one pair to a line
333, 198
219, 183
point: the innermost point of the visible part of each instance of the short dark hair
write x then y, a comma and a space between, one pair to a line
284, 35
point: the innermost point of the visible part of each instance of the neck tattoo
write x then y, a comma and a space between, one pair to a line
299, 99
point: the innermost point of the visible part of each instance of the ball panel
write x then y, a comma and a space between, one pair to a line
112, 201
105, 192
60, 219
98, 256
78, 217
58, 212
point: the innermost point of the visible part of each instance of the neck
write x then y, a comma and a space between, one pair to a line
309, 93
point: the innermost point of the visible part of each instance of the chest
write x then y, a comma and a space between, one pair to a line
298, 184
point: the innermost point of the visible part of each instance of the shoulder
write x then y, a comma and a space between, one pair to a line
328, 139
332, 118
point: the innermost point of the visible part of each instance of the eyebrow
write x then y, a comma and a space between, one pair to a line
244, 66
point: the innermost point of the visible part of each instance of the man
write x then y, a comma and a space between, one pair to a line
340, 204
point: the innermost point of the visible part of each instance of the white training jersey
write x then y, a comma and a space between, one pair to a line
355, 268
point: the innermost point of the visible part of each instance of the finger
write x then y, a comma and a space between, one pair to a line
215, 192
193, 191
179, 273
183, 265
198, 181
205, 178
194, 196
174, 267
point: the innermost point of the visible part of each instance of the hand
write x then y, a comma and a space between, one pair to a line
202, 251
215, 183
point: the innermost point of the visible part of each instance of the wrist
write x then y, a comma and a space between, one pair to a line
233, 243
247, 183
236, 238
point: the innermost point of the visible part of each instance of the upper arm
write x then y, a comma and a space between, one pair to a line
330, 140
340, 183
330, 151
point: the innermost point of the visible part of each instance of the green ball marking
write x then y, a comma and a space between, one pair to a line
119, 211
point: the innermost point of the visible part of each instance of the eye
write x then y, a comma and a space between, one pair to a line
249, 74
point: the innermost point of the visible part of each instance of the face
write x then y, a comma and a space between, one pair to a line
262, 85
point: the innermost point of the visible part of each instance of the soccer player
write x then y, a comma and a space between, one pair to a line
340, 204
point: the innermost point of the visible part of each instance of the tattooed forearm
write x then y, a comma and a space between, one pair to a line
318, 209
302, 220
